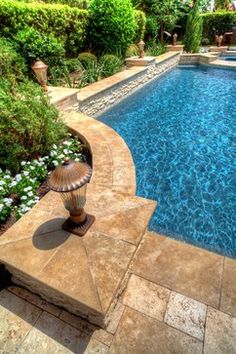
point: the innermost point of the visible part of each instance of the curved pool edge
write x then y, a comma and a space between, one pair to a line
113, 165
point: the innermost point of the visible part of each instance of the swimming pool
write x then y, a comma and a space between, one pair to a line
180, 130
229, 57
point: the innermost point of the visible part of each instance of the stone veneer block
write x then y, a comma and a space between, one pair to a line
146, 297
181, 267
186, 314
138, 333
17, 317
136, 61
228, 296
220, 334
83, 275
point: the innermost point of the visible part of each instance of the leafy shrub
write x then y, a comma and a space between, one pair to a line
205, 41
221, 21
111, 64
81, 4
73, 65
132, 51
154, 49
193, 33
87, 59
64, 22
140, 22
152, 27
32, 44
29, 124
112, 25
11, 63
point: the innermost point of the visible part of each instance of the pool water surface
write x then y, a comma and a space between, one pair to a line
181, 132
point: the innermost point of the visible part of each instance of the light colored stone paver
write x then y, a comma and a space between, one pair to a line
140, 334
35, 300
186, 314
146, 297
228, 296
16, 319
181, 267
82, 325
115, 318
220, 336
51, 335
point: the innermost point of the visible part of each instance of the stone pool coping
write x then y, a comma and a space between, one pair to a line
47, 260
210, 59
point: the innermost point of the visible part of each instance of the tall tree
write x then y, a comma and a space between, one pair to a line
193, 32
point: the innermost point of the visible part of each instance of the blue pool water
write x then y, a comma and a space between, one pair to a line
181, 132
229, 57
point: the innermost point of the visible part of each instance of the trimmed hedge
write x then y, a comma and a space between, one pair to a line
140, 21
112, 26
66, 23
11, 63
222, 21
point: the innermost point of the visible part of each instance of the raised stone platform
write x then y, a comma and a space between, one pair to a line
136, 61
84, 275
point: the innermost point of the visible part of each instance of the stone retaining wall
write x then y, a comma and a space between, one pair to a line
99, 103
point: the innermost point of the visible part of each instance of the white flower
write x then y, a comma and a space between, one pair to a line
7, 176
13, 184
53, 153
61, 156
30, 194
54, 146
1, 188
26, 173
32, 168
23, 197
77, 159
1, 207
66, 151
55, 163
26, 189
2, 183
67, 143
23, 163
18, 177
7, 201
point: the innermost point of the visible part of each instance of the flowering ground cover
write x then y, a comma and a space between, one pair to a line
19, 193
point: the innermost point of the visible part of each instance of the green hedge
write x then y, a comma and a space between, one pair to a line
112, 26
66, 23
81, 4
222, 21
140, 21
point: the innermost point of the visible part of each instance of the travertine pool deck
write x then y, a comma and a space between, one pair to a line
152, 294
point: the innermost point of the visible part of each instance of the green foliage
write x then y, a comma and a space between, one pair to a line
11, 63
64, 22
222, 4
87, 59
112, 25
140, 21
32, 44
193, 33
132, 51
29, 124
81, 4
221, 21
73, 65
152, 27
154, 49
110, 64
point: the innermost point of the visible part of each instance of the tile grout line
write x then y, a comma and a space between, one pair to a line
221, 283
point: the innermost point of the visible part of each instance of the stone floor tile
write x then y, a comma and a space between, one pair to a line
95, 347
35, 300
220, 335
128, 225
110, 260
51, 335
140, 334
228, 296
181, 267
95, 332
146, 297
115, 318
186, 314
16, 319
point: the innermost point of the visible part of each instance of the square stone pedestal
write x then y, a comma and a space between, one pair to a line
82, 274
136, 61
